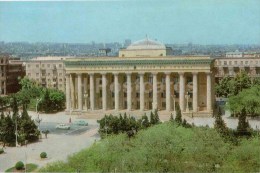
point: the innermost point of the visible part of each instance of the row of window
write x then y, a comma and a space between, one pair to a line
43, 74
237, 62
48, 65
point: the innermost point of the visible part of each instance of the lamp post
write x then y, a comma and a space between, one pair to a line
86, 97
187, 96
16, 133
38, 120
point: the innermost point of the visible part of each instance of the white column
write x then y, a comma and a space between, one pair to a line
141, 75
209, 103
182, 91
72, 92
155, 95
195, 92
104, 91
91, 91
68, 92
116, 91
85, 91
129, 91
79, 75
168, 91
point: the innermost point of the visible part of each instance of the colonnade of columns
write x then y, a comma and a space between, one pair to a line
70, 91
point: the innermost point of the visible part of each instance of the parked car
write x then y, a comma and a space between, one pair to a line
81, 123
63, 126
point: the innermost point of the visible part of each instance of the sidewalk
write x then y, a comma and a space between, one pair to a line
57, 147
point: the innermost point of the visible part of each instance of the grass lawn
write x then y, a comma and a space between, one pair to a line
30, 167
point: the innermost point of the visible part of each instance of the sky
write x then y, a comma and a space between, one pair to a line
168, 21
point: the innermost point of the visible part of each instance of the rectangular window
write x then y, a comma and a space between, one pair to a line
42, 65
37, 74
37, 66
225, 62
230, 62
235, 62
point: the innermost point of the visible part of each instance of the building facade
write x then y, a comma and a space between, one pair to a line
15, 71
47, 71
141, 78
11, 70
232, 66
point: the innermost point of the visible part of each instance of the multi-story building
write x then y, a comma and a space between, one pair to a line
3, 72
15, 71
231, 66
141, 78
11, 70
47, 71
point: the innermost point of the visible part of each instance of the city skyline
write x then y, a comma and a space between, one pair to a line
176, 22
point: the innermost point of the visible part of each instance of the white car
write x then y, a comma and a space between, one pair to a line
63, 126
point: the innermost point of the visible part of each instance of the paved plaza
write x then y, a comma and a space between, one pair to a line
58, 146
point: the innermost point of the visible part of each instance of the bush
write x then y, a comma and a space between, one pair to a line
43, 155
19, 165
1, 150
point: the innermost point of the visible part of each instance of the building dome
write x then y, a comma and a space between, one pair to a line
146, 44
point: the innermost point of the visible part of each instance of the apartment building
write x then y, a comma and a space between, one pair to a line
47, 71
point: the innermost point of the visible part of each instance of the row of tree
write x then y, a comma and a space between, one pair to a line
229, 86
22, 124
52, 100
111, 124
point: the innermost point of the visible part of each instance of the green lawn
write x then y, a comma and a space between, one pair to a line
30, 167
162, 148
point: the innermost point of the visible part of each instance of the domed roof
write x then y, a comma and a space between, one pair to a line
146, 44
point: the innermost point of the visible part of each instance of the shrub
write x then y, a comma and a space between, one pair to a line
1, 150
43, 155
19, 165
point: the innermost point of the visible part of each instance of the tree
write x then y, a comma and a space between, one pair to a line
156, 117
28, 129
58, 100
247, 99
220, 125
7, 130
178, 118
243, 128
46, 104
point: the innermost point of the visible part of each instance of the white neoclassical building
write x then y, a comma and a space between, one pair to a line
141, 78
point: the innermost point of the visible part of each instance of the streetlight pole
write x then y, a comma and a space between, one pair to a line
38, 120
16, 133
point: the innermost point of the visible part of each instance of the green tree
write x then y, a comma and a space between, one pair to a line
243, 128
58, 100
7, 130
247, 99
223, 89
46, 104
178, 117
28, 129
220, 125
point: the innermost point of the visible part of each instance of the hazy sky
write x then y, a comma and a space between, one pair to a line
169, 21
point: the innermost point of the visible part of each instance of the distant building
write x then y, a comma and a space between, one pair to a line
47, 71
10, 72
141, 78
127, 42
232, 66
3, 73
145, 47
235, 54
15, 71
